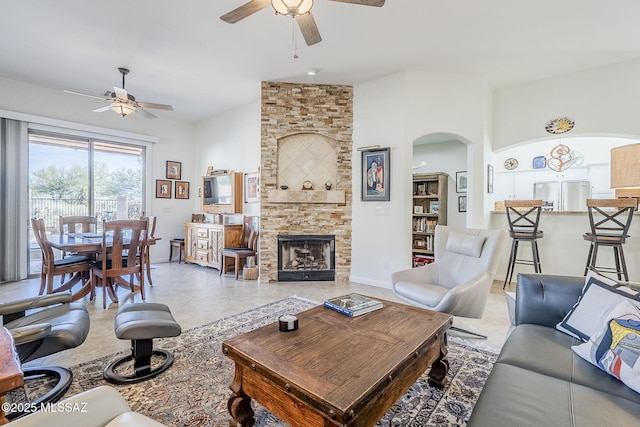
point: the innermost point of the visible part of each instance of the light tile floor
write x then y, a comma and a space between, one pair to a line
198, 295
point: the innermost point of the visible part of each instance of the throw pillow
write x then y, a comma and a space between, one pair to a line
599, 296
465, 244
616, 348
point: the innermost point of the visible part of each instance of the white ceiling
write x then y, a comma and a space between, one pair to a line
181, 53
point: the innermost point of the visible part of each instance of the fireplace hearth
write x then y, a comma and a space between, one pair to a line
306, 257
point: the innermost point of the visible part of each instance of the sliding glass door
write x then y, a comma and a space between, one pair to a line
81, 176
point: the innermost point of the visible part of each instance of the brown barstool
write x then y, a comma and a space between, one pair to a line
524, 218
610, 220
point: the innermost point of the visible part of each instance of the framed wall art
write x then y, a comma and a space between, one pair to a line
163, 189
251, 187
375, 175
462, 203
174, 170
461, 182
182, 190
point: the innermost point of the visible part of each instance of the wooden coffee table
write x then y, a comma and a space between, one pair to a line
11, 375
336, 370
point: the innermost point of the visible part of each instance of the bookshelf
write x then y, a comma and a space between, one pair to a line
429, 209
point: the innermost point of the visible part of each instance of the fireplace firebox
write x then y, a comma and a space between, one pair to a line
307, 257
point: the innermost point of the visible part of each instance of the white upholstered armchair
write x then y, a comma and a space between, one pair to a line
459, 280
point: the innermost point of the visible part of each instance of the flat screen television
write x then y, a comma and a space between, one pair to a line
217, 190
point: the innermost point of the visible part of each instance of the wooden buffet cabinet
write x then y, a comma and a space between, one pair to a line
203, 242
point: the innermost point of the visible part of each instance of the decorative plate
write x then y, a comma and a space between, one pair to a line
510, 163
559, 125
539, 162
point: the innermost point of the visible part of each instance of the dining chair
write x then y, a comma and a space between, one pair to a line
77, 224
151, 233
123, 253
248, 245
77, 264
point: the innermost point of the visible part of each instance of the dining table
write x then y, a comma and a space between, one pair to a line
90, 245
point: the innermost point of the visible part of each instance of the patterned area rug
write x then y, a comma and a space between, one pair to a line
194, 391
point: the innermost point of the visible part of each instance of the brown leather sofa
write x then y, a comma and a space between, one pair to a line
538, 380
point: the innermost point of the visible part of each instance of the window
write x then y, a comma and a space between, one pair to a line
70, 175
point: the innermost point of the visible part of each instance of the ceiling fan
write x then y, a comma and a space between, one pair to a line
122, 102
300, 10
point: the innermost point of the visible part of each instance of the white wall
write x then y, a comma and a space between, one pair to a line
394, 111
175, 142
454, 103
230, 141
381, 237
595, 150
604, 101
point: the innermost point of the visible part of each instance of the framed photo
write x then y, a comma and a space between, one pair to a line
462, 203
251, 187
163, 189
375, 175
174, 170
461, 182
182, 190
489, 179
434, 206
417, 209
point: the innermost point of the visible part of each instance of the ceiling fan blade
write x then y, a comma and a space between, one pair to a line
102, 109
120, 93
378, 3
147, 114
309, 29
84, 94
156, 106
245, 10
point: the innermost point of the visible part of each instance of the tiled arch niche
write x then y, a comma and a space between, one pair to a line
306, 156
306, 134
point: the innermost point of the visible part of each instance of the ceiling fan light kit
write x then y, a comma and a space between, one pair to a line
300, 10
122, 102
292, 7
122, 108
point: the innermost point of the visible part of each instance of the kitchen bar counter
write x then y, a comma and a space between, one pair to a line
563, 250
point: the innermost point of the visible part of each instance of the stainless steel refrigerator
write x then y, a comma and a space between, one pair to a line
563, 196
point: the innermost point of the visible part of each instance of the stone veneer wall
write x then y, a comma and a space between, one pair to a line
289, 109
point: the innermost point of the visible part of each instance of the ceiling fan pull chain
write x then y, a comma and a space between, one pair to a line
294, 37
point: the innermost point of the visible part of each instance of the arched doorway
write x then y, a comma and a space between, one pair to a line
446, 153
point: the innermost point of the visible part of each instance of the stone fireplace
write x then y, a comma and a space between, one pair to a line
306, 138
306, 257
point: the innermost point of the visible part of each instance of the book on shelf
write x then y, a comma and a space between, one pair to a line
353, 304
424, 224
420, 260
